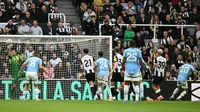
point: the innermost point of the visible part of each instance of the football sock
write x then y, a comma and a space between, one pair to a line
182, 95
158, 92
24, 95
175, 92
141, 90
112, 88
137, 92
117, 92
126, 89
100, 92
36, 93
11, 92
93, 89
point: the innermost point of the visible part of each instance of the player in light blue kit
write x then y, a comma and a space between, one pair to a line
132, 63
103, 66
184, 73
34, 63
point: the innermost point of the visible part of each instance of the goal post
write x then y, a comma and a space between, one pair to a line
66, 63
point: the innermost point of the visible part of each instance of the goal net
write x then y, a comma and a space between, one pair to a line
62, 54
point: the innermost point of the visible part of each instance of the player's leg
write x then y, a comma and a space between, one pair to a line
112, 89
30, 81
14, 85
176, 90
90, 79
185, 90
99, 87
127, 80
141, 89
34, 78
121, 88
27, 77
156, 88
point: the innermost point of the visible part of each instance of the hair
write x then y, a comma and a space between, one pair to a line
86, 51
189, 60
100, 53
132, 43
117, 49
36, 53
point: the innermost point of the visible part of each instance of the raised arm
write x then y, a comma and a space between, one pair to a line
42, 68
22, 67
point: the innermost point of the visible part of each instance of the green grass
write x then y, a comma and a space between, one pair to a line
96, 106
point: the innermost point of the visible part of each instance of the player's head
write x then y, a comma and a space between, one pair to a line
189, 60
100, 53
13, 52
132, 43
117, 49
159, 52
36, 54
85, 51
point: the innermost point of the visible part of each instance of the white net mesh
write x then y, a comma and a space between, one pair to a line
63, 52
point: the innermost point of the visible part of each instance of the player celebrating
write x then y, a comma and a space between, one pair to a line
104, 67
88, 65
131, 64
184, 73
34, 63
159, 73
15, 61
116, 71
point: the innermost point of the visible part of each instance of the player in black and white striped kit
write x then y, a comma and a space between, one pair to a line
116, 74
158, 71
88, 65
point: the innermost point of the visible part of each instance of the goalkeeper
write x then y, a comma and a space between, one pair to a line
15, 60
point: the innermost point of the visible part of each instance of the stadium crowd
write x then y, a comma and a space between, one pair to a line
63, 60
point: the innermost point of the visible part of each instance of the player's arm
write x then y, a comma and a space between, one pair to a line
115, 65
195, 75
154, 66
142, 64
95, 66
123, 66
22, 67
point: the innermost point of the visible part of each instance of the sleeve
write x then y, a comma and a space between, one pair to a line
192, 68
108, 63
40, 61
139, 54
115, 59
124, 54
27, 60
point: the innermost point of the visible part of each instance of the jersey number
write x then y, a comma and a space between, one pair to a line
88, 63
103, 64
161, 65
131, 57
120, 62
185, 70
32, 63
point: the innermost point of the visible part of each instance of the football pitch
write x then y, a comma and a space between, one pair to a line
97, 106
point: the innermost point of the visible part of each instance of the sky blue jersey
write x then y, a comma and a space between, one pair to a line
185, 71
33, 64
132, 56
103, 67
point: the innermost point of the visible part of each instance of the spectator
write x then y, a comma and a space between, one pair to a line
149, 6
29, 52
12, 28
3, 7
68, 71
169, 29
112, 14
59, 71
139, 40
48, 30
21, 4
159, 7
156, 22
55, 60
189, 7
65, 58
162, 15
179, 61
44, 60
195, 54
120, 20
27, 19
100, 15
146, 55
16, 18
129, 34
174, 14
125, 16
184, 13
60, 30
50, 71
106, 29
43, 15
87, 18
197, 33
29, 4
23, 11
106, 6
83, 8
165, 42
51, 6
138, 5
117, 35
94, 26
2, 17
23, 29
118, 8
40, 4
33, 12
173, 71
194, 17
179, 21
35, 29
70, 28
6, 73
6, 31
13, 11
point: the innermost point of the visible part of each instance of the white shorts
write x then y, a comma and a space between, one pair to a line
32, 76
102, 80
140, 77
182, 84
133, 78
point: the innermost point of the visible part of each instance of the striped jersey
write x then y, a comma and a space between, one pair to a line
161, 63
88, 64
118, 58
